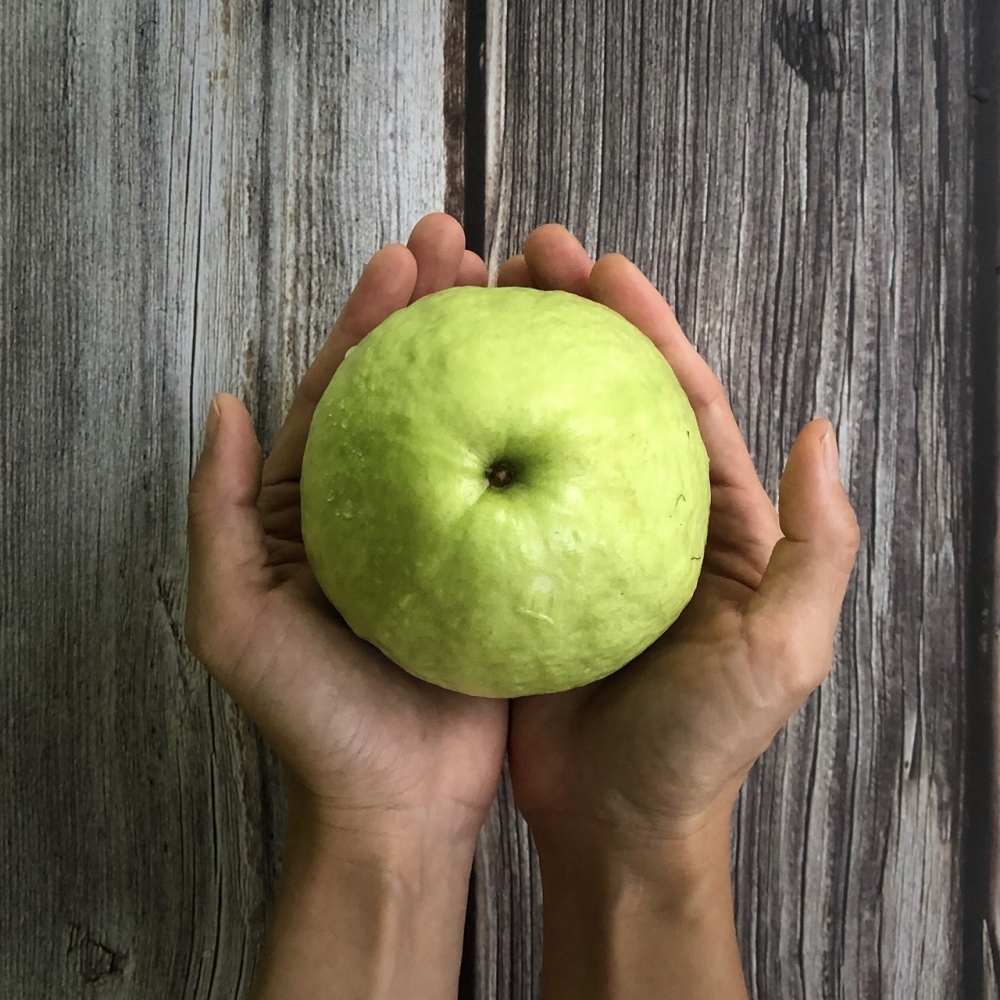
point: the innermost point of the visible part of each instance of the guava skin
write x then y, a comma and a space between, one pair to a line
505, 490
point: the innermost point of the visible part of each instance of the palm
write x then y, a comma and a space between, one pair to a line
380, 731
656, 743
662, 737
353, 729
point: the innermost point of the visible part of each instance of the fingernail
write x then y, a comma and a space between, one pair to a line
831, 456
214, 418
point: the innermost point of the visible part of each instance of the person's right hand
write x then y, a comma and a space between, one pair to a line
389, 778
649, 753
364, 743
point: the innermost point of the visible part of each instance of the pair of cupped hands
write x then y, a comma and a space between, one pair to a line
650, 756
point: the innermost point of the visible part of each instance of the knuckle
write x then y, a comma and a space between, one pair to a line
852, 532
804, 676
848, 539
854, 541
789, 656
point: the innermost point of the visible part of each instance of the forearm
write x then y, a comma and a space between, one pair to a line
659, 926
363, 919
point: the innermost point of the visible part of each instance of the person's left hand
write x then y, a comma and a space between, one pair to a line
366, 746
657, 751
628, 784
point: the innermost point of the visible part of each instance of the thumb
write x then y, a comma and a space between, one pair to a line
227, 555
795, 612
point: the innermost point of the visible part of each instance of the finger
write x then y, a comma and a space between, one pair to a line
472, 270
792, 619
385, 285
514, 272
438, 246
743, 527
616, 282
227, 564
556, 260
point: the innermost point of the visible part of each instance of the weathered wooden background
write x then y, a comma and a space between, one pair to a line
188, 189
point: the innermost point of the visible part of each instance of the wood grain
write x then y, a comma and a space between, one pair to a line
188, 188
983, 902
798, 179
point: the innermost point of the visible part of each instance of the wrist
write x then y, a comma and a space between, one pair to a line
629, 916
364, 909
397, 842
389, 833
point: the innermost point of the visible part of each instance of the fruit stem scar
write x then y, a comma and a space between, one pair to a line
500, 475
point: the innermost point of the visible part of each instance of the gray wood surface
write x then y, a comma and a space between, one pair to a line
188, 188
799, 180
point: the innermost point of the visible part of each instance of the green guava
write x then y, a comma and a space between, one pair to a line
505, 491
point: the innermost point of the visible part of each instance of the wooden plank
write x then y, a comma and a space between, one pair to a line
508, 942
187, 190
991, 975
799, 184
983, 900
